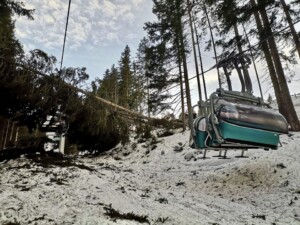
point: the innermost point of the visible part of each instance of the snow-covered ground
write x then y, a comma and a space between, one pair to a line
155, 185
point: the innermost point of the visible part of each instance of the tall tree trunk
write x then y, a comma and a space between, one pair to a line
148, 97
247, 78
288, 107
115, 92
236, 65
6, 134
227, 75
2, 135
181, 85
187, 85
201, 63
253, 61
11, 132
268, 57
182, 96
291, 25
213, 43
115, 88
17, 135
184, 62
195, 53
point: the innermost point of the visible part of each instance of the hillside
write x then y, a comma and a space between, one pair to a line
156, 185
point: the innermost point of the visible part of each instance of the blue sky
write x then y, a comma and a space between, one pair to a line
98, 30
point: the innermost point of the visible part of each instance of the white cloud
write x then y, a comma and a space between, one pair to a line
21, 33
137, 3
98, 30
95, 4
49, 19
98, 22
129, 17
108, 9
112, 37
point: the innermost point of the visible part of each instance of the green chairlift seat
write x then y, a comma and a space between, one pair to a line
251, 124
244, 125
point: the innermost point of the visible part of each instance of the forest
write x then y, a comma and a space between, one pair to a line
135, 91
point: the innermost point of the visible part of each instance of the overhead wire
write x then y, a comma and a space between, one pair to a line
65, 36
248, 49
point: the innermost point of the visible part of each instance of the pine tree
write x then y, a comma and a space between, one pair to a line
287, 107
9, 45
125, 79
227, 13
10, 49
286, 9
109, 85
140, 68
157, 72
265, 25
169, 30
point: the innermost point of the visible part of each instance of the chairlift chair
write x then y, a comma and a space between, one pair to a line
237, 120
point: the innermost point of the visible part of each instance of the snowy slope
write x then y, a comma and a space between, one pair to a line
155, 186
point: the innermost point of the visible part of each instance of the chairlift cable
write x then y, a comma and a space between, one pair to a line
65, 36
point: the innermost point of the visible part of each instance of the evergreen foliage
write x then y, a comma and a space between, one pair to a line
167, 53
232, 14
28, 97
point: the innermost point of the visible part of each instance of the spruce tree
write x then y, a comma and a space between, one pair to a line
125, 79
287, 107
286, 9
169, 31
237, 14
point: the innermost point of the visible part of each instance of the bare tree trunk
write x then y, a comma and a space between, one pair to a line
227, 78
240, 76
268, 57
148, 97
247, 78
6, 135
181, 85
2, 135
195, 53
182, 98
12, 131
291, 25
115, 90
288, 107
254, 64
187, 86
201, 63
185, 69
17, 135
213, 42
127, 92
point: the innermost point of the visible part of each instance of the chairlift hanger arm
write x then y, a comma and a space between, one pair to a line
241, 96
